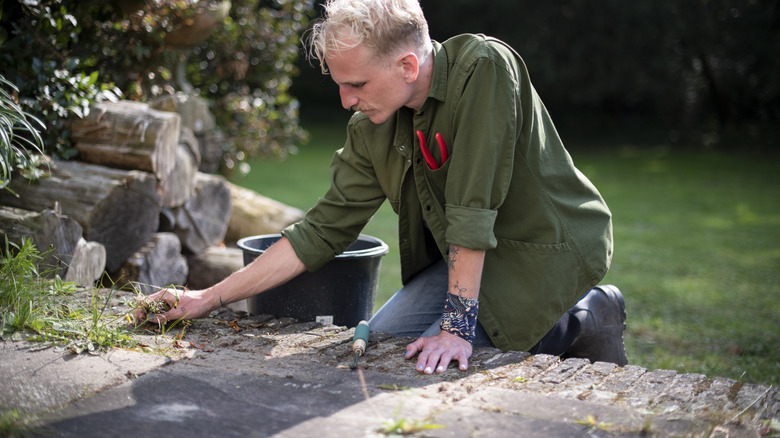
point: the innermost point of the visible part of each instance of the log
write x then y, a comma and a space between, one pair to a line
255, 214
213, 265
117, 208
202, 221
212, 147
55, 236
179, 186
88, 263
157, 264
194, 111
128, 135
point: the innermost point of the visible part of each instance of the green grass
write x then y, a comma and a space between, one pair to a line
697, 248
37, 305
697, 254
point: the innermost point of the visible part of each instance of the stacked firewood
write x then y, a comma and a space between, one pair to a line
142, 203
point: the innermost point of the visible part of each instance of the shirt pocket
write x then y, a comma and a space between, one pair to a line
542, 248
437, 179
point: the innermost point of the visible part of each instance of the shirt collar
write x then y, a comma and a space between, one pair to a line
438, 89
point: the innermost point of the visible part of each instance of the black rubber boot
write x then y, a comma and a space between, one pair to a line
602, 318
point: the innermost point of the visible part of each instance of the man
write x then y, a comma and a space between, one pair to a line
497, 228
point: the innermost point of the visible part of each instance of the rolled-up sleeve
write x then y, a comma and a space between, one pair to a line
336, 220
471, 227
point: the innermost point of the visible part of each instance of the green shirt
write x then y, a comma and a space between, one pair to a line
509, 187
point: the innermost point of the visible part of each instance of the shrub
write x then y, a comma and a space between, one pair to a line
65, 55
247, 69
19, 137
40, 46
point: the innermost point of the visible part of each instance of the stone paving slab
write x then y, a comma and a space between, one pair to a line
33, 381
236, 375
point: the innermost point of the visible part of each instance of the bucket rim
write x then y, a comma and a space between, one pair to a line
380, 248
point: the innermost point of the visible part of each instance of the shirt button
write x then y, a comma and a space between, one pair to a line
401, 148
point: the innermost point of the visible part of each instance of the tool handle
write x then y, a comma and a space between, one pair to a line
360, 340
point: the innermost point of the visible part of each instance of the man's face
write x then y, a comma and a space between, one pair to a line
377, 87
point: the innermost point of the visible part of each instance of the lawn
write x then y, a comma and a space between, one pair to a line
697, 247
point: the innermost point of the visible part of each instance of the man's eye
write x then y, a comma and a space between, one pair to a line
359, 85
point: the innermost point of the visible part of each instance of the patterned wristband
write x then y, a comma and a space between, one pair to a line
460, 316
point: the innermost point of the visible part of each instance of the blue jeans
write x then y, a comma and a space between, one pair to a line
415, 311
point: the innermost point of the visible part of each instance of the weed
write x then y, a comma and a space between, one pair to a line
26, 297
155, 306
593, 424
770, 428
151, 308
12, 425
99, 330
393, 387
43, 306
403, 426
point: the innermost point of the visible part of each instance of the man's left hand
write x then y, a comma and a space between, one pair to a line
436, 352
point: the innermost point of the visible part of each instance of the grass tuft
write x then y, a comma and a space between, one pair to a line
41, 307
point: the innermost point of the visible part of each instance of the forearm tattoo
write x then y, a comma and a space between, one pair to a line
460, 290
453, 256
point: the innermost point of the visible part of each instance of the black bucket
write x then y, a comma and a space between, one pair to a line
342, 292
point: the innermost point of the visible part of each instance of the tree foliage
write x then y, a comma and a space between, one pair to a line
695, 67
689, 63
64, 55
247, 70
38, 49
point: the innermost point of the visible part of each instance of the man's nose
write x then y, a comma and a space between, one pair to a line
348, 99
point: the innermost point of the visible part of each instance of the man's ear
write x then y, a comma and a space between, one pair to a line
410, 66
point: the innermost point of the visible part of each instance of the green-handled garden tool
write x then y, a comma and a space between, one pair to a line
359, 341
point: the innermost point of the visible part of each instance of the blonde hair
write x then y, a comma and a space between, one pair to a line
382, 25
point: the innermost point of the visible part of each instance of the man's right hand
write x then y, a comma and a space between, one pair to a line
184, 304
277, 265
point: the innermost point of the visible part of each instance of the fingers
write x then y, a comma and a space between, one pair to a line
158, 319
463, 361
436, 353
150, 308
170, 296
433, 360
443, 363
414, 348
139, 316
419, 346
